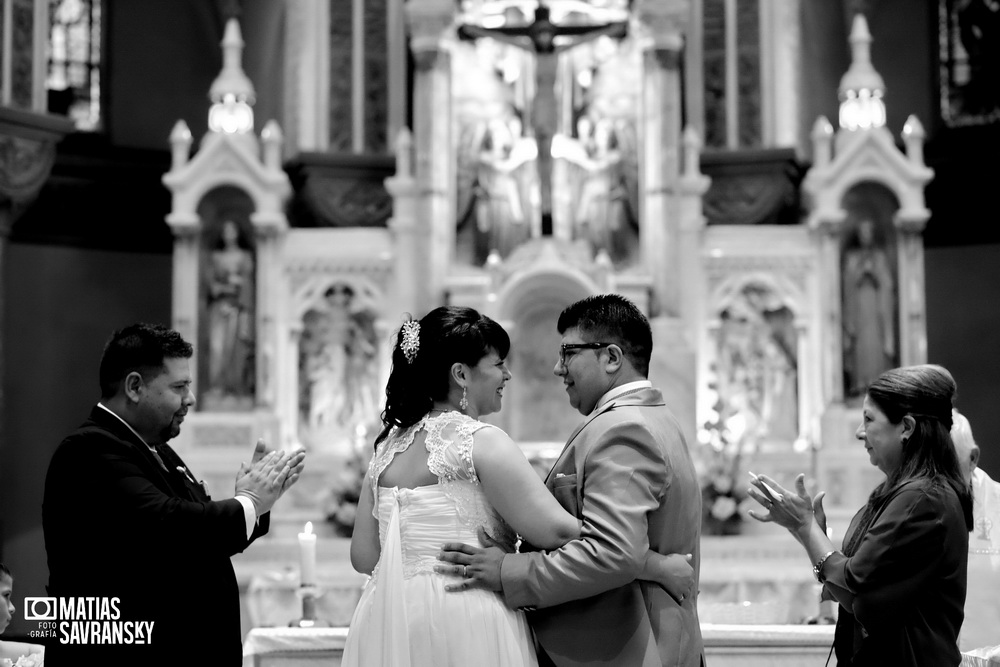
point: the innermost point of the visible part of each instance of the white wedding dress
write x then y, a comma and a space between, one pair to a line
405, 616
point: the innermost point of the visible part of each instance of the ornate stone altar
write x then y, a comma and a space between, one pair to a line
751, 335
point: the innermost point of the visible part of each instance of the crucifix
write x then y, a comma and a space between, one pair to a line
539, 38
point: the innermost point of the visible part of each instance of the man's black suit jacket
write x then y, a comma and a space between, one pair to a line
118, 524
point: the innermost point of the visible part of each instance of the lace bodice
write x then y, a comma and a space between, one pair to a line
451, 510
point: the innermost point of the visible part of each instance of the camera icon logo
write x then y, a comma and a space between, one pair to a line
40, 609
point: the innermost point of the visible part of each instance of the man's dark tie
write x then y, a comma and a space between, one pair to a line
159, 460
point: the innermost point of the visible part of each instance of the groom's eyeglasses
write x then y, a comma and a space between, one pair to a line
567, 350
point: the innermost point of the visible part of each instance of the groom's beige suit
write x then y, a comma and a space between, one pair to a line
628, 474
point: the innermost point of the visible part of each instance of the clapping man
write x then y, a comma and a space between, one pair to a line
125, 518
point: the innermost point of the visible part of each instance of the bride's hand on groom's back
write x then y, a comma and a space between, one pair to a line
673, 572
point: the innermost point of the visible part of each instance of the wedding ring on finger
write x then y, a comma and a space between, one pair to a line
465, 571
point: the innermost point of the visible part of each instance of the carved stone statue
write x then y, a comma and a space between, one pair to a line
338, 368
758, 368
230, 311
503, 210
598, 214
869, 311
539, 38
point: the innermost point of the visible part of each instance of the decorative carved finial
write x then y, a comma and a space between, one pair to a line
180, 143
404, 148
913, 138
232, 79
861, 87
822, 136
272, 138
692, 151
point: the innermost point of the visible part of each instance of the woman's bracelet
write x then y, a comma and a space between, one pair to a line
818, 567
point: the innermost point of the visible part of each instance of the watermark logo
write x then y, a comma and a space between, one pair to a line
85, 620
40, 609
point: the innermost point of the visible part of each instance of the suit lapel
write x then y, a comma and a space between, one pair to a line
569, 442
644, 396
167, 479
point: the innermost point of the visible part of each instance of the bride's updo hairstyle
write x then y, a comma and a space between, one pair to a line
423, 354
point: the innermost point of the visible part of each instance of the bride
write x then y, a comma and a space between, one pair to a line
438, 475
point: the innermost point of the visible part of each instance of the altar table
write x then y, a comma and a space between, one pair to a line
725, 646
294, 647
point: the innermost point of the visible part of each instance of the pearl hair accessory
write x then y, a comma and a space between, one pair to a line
411, 340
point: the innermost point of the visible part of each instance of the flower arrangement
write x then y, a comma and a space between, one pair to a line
724, 438
340, 504
30, 660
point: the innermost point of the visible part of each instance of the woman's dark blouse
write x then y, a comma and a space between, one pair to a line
902, 594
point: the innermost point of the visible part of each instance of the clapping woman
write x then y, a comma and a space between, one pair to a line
900, 577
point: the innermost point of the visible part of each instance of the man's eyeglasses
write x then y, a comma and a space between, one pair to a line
567, 350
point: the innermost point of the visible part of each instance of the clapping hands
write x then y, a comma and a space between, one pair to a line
268, 475
794, 511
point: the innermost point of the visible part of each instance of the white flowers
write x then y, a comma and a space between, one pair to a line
31, 660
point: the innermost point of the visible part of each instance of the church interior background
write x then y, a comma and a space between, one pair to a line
798, 194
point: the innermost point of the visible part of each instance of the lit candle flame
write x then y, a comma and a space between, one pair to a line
309, 527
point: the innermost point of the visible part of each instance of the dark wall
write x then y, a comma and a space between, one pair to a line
963, 289
163, 55
904, 35
61, 304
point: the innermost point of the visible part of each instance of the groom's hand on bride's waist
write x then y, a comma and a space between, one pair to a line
476, 567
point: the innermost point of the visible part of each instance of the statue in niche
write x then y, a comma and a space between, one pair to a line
600, 216
539, 38
504, 215
758, 369
338, 366
230, 314
869, 309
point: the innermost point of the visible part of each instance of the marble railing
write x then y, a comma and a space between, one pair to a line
725, 646
753, 579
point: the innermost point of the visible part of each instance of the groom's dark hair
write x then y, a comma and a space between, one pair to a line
142, 348
611, 318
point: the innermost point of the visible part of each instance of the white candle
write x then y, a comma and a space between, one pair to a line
307, 556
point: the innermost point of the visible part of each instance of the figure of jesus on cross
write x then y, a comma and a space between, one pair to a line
539, 37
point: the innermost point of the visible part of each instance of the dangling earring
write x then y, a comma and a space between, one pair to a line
464, 403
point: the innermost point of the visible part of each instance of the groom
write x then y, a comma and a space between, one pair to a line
627, 473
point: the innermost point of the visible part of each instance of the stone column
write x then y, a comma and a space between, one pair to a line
186, 275
411, 247
912, 307
690, 271
661, 39
910, 221
429, 21
832, 345
288, 386
306, 103
271, 294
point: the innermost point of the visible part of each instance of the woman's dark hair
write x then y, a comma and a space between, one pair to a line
926, 393
448, 334
4, 572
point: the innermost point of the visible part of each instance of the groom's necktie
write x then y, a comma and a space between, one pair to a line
159, 459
